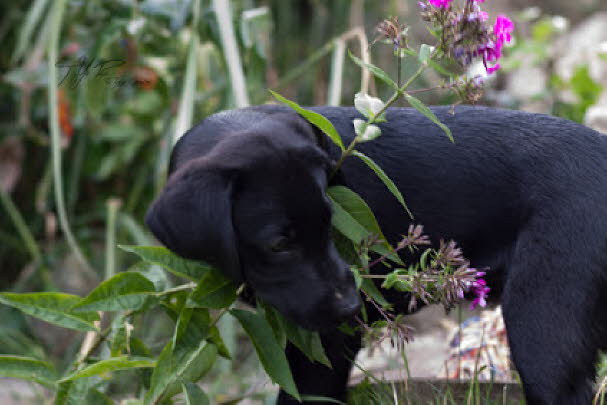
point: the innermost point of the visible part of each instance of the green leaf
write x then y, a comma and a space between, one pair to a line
96, 94
55, 308
95, 397
109, 365
356, 207
308, 342
422, 108
346, 224
377, 72
276, 321
384, 178
162, 376
369, 287
73, 392
194, 395
27, 368
124, 291
314, 118
214, 290
187, 357
268, 350
193, 270
350, 213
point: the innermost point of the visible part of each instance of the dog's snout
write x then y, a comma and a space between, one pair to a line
346, 304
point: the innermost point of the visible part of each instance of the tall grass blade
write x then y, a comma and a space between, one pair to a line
337, 72
27, 30
56, 16
231, 53
188, 92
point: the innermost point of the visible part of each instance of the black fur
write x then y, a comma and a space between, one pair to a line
523, 194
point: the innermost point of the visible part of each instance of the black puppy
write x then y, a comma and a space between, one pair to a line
524, 195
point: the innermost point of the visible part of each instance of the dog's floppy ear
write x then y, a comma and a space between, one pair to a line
193, 217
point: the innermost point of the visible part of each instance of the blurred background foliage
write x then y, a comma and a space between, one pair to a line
125, 93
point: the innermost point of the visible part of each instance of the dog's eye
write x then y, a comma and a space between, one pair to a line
281, 244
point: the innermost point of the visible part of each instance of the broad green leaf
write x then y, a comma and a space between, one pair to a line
94, 397
276, 321
162, 376
193, 270
192, 366
377, 72
214, 290
191, 328
124, 291
346, 224
268, 350
384, 178
356, 207
187, 357
422, 108
55, 308
314, 118
109, 365
73, 392
27, 368
353, 218
194, 395
308, 342
369, 287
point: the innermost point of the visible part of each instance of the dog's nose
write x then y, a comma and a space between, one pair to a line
346, 305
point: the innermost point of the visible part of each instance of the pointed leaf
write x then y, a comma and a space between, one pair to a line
95, 397
109, 365
214, 290
353, 218
55, 308
27, 368
73, 392
168, 260
422, 108
124, 291
377, 72
194, 395
308, 342
384, 178
268, 350
314, 118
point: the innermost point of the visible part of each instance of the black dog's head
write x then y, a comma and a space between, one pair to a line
255, 207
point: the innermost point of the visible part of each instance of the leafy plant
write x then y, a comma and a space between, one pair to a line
114, 313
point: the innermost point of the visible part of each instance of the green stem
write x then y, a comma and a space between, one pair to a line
401, 91
113, 205
53, 44
20, 225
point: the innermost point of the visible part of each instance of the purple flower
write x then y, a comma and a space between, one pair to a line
440, 3
480, 290
493, 51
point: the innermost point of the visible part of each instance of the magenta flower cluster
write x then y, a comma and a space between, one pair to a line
480, 290
465, 33
492, 50
445, 3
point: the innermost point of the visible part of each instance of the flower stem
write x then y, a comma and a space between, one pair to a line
401, 91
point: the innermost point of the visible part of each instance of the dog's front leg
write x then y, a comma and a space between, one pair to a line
315, 379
